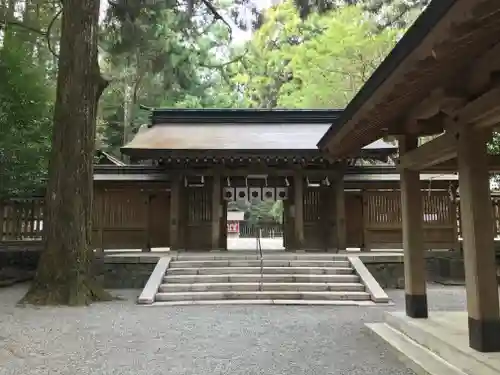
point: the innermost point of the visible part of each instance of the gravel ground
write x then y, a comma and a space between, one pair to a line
123, 338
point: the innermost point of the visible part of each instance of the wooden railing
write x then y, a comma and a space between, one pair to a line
21, 219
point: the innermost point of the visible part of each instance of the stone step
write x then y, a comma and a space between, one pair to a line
415, 356
258, 270
255, 278
450, 349
224, 287
254, 256
255, 302
257, 263
252, 295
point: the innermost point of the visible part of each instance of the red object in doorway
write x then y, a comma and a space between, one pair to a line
233, 227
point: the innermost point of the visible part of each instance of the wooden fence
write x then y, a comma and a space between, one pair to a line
124, 219
21, 219
383, 220
266, 230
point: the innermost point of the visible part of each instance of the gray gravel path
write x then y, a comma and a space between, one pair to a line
123, 338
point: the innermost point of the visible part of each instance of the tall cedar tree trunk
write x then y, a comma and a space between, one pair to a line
64, 275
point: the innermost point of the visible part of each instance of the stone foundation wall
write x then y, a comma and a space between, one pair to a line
440, 267
114, 272
124, 275
388, 275
120, 272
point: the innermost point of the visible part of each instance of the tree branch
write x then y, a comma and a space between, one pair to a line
218, 16
49, 32
219, 66
45, 34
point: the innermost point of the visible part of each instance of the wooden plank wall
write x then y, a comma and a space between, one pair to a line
135, 217
131, 218
382, 221
123, 217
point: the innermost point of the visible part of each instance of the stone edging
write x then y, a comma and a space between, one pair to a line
377, 294
148, 294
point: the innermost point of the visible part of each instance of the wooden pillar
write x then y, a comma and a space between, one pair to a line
147, 230
477, 233
223, 226
364, 215
184, 208
298, 201
326, 212
340, 214
413, 236
288, 225
175, 199
2, 216
216, 210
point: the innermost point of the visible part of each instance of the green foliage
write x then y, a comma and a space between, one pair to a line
264, 211
25, 124
160, 56
494, 144
180, 54
259, 211
388, 13
319, 62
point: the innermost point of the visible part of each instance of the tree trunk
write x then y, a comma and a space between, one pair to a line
64, 274
8, 16
127, 110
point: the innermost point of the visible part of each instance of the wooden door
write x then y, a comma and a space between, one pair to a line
159, 219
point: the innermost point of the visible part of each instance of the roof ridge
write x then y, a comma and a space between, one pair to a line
243, 116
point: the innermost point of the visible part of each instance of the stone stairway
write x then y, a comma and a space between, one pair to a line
294, 279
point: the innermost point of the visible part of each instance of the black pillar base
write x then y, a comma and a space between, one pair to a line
484, 335
416, 305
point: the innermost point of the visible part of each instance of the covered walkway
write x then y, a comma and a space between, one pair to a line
440, 80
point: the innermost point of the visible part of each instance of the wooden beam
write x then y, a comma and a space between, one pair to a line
481, 70
422, 127
270, 171
436, 151
452, 165
482, 112
394, 185
439, 100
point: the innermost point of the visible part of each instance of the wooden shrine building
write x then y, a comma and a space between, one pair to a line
188, 164
442, 78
